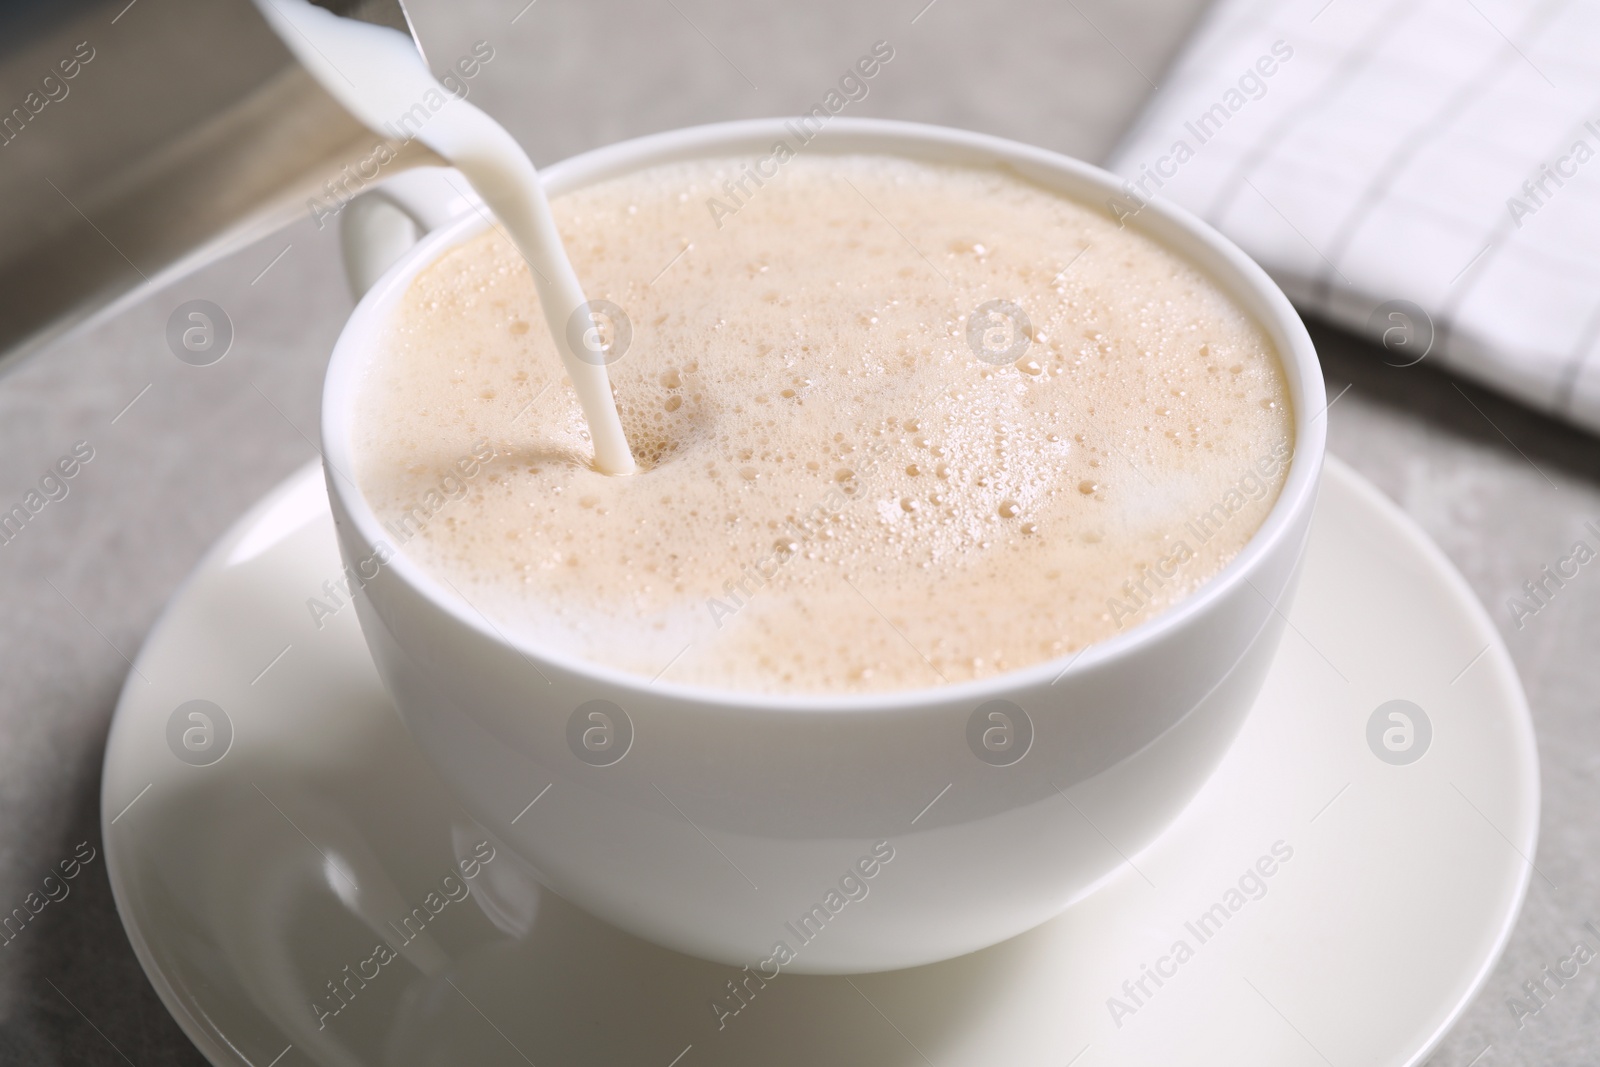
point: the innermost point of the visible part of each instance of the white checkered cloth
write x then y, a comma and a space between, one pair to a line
1441, 154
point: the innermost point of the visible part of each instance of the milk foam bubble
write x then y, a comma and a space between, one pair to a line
842, 488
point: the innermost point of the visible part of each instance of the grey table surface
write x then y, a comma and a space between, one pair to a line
1504, 491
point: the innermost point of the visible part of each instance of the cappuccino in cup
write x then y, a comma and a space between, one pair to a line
899, 424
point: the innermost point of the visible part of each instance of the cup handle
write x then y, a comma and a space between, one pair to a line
379, 226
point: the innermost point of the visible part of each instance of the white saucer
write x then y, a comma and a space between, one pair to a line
312, 828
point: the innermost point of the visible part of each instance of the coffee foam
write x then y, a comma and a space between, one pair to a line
837, 494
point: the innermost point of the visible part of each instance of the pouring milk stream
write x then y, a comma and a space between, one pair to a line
379, 76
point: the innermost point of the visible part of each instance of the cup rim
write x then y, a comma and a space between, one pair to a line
1239, 275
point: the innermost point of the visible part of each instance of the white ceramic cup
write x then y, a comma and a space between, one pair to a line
831, 834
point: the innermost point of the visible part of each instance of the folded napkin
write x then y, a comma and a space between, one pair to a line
1426, 172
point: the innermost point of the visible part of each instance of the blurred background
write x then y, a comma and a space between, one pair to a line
181, 451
